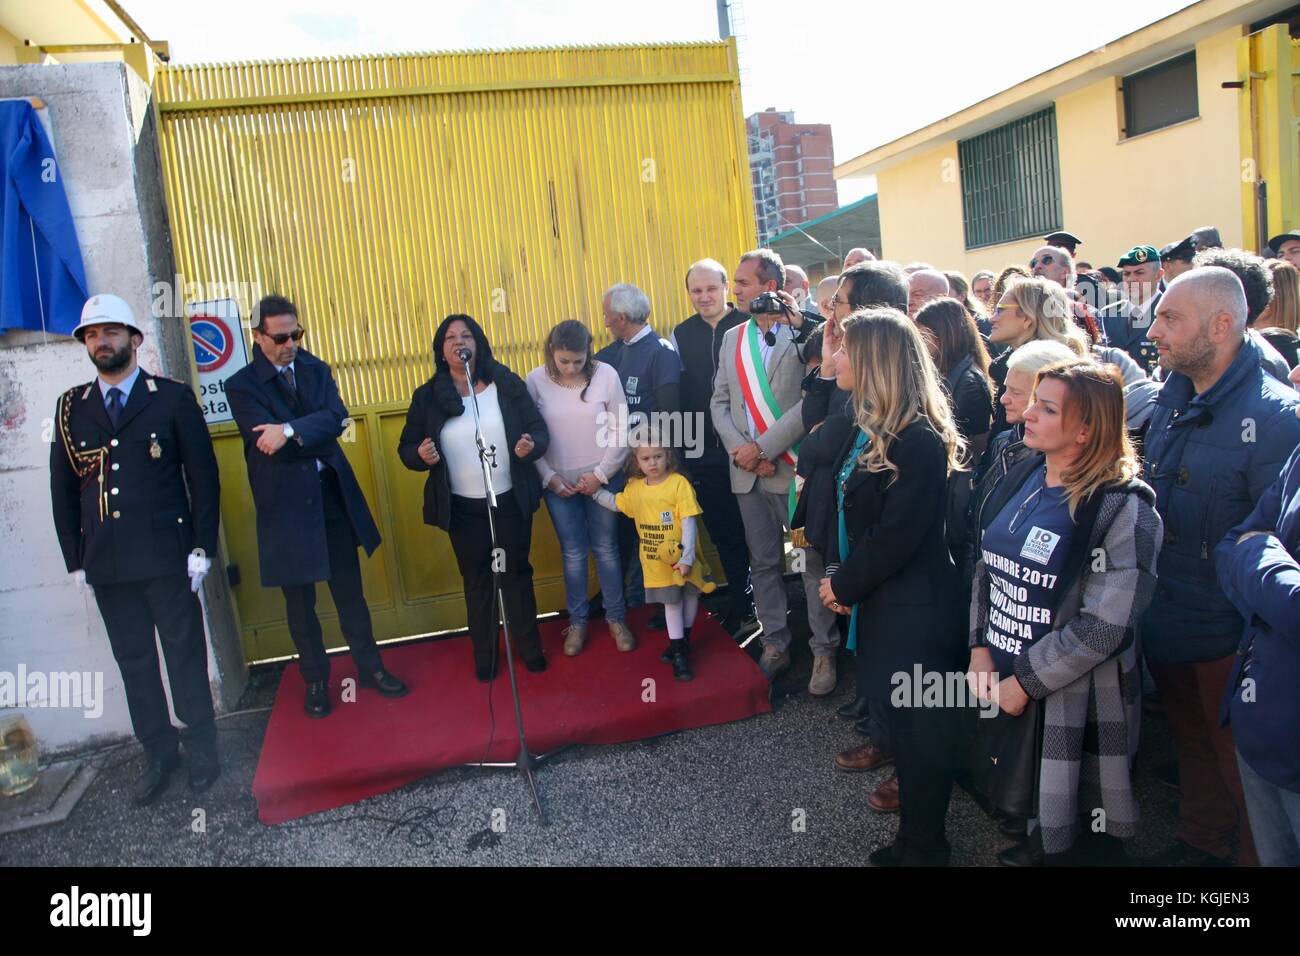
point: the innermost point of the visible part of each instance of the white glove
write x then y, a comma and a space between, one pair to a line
198, 567
79, 577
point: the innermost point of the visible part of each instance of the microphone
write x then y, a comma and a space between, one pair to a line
464, 356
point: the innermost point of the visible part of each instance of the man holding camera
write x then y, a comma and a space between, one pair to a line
756, 411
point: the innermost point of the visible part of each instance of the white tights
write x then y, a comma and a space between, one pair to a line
677, 622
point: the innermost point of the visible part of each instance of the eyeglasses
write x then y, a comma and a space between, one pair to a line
281, 337
1046, 260
837, 301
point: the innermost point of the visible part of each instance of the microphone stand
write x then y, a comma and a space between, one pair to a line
525, 762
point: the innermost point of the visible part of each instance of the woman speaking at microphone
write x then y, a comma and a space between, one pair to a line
439, 438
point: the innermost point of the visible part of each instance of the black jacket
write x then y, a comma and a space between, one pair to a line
972, 402
699, 344
998, 374
436, 401
1005, 452
145, 522
820, 455
898, 567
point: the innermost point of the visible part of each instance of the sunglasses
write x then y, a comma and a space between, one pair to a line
282, 337
1046, 260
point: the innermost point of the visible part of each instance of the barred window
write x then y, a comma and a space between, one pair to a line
1011, 181
1161, 96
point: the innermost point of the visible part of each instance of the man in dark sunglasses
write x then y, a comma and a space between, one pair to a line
311, 512
1051, 262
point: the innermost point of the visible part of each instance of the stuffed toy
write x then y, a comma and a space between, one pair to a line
670, 552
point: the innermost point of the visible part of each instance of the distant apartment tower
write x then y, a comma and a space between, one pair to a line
791, 168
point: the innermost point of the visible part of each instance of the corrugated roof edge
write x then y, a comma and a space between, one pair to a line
580, 48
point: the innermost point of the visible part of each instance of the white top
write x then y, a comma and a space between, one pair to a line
457, 447
587, 435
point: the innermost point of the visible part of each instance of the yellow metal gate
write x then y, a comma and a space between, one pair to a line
382, 193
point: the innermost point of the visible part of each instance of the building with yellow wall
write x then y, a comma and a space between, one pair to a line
1164, 130
76, 31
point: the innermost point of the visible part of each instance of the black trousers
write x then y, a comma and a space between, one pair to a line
926, 745
132, 612
345, 587
471, 539
710, 476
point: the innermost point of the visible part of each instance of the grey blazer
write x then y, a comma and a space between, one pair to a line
785, 374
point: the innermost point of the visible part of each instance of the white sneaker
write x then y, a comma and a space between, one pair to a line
823, 676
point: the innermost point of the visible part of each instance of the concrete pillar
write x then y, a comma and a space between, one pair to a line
105, 140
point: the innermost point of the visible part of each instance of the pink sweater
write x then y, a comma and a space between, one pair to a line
586, 436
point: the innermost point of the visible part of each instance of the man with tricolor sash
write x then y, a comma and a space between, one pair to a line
755, 409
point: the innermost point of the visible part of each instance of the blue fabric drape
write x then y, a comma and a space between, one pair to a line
42, 279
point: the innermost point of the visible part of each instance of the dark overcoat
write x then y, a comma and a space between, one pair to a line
898, 567
291, 545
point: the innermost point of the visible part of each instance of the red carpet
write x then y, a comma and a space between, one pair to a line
376, 744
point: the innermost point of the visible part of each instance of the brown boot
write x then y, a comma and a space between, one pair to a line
884, 799
867, 757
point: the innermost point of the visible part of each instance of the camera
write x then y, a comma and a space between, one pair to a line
767, 302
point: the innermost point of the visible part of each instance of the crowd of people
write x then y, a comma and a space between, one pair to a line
1074, 491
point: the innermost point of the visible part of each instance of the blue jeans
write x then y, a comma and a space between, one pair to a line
1274, 818
585, 527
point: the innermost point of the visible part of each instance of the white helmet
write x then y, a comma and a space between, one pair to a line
105, 309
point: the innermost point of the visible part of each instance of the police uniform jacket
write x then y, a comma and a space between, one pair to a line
291, 544
121, 507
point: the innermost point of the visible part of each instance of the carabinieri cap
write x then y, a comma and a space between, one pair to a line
1138, 255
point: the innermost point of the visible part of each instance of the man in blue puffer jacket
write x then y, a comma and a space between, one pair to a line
1221, 430
1260, 573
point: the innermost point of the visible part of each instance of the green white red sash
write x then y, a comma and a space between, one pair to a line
762, 404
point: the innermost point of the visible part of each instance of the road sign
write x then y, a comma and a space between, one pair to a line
220, 351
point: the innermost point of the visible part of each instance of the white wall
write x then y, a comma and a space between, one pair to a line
103, 140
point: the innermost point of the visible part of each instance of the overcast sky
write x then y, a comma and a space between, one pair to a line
874, 69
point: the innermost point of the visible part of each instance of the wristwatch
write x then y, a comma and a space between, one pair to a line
288, 430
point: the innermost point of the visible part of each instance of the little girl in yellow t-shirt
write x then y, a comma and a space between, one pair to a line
662, 503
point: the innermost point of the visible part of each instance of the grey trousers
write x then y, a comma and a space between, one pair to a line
766, 516
823, 636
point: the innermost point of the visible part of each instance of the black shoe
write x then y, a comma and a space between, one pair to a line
657, 622
681, 667
1027, 853
885, 856
864, 726
153, 782
536, 665
1012, 827
740, 623
384, 682
1183, 854
204, 767
317, 704
667, 656
854, 710
737, 614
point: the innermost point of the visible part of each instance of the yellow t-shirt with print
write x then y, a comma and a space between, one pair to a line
658, 511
